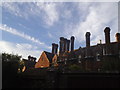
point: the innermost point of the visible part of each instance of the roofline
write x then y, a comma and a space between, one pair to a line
94, 45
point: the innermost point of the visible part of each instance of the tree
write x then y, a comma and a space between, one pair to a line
10, 65
75, 67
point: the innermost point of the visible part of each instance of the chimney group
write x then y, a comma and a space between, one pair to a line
30, 58
107, 37
65, 44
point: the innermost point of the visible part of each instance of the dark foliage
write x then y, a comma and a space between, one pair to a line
10, 65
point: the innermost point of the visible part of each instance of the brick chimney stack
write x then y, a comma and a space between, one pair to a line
54, 48
61, 49
68, 45
65, 44
72, 43
117, 37
107, 35
87, 39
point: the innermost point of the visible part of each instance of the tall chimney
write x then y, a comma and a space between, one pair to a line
29, 57
107, 35
53, 48
56, 48
87, 39
117, 37
72, 43
65, 44
61, 44
68, 45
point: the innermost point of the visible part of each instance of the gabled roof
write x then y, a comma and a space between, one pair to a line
49, 55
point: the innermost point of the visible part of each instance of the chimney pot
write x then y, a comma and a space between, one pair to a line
107, 35
87, 39
61, 44
65, 44
72, 43
117, 37
68, 45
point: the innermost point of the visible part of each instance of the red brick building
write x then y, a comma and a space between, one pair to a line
90, 57
48, 59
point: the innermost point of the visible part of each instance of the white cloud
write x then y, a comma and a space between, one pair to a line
0, 35
12, 8
24, 46
47, 11
98, 17
51, 14
94, 17
67, 14
23, 35
18, 33
20, 49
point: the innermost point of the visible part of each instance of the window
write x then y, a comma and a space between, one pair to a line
65, 62
103, 51
79, 56
79, 59
98, 57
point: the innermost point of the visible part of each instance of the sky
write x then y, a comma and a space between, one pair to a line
28, 28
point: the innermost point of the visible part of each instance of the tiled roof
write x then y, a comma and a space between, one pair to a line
49, 55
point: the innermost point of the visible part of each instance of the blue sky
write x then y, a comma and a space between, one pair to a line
28, 28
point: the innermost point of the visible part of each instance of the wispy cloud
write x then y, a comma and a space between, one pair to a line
83, 17
50, 10
43, 10
49, 13
12, 8
23, 49
18, 33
